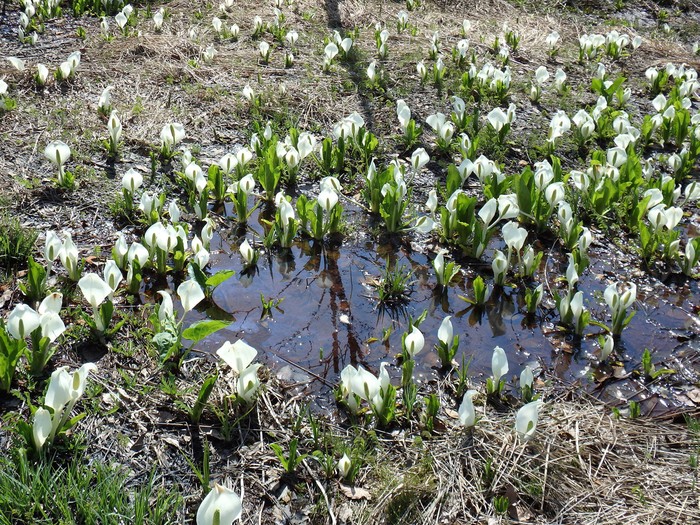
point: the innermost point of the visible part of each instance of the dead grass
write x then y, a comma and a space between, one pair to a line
583, 465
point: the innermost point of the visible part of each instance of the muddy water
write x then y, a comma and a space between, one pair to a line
330, 316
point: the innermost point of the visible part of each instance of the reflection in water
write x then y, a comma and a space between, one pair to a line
339, 303
323, 263
499, 308
498, 305
440, 300
332, 317
247, 276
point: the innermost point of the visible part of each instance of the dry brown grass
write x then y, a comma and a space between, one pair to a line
583, 465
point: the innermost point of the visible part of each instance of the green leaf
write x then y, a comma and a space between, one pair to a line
616, 84
24, 429
280, 455
198, 275
36, 278
523, 185
202, 398
454, 179
199, 330
662, 371
218, 278
163, 341
115, 328
10, 352
71, 423
106, 312
646, 362
212, 173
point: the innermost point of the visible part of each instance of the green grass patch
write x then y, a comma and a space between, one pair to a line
79, 491
16, 244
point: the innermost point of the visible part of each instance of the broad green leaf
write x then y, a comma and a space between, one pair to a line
218, 278
199, 330
198, 275
10, 352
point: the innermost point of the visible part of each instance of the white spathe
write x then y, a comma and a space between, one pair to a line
467, 414
526, 419
220, 501
22, 321
414, 341
445, 332
57, 152
94, 289
190, 294
499, 364
238, 355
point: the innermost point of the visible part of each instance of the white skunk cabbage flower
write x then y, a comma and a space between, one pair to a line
238, 355
222, 506
499, 364
344, 466
467, 414
172, 134
190, 294
526, 419
414, 341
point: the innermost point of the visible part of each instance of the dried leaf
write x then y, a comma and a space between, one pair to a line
619, 372
524, 514
122, 393
355, 492
345, 513
513, 498
452, 413
5, 297
173, 442
286, 496
694, 395
109, 399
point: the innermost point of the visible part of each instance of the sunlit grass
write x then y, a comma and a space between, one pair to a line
77, 490
16, 244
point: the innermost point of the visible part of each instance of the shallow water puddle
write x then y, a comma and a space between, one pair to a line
330, 316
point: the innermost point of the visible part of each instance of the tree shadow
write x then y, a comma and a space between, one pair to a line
351, 65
